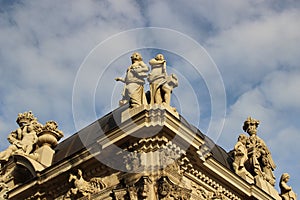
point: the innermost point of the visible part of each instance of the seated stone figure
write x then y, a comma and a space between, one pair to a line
22, 140
286, 191
133, 92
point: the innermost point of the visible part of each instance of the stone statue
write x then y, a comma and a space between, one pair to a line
240, 155
133, 91
83, 187
161, 85
260, 159
24, 138
286, 191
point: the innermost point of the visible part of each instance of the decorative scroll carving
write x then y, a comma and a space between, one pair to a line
133, 91
3, 190
287, 192
83, 187
161, 85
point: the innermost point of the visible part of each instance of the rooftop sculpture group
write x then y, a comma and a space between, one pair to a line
161, 84
30, 136
252, 158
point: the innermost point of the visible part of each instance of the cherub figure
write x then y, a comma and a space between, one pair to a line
22, 140
240, 155
286, 191
133, 91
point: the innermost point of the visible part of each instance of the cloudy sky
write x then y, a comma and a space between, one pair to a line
234, 59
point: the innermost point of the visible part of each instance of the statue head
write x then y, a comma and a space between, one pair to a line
136, 57
159, 57
250, 126
242, 138
284, 177
25, 118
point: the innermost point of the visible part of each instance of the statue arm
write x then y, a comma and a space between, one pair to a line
153, 61
120, 79
285, 186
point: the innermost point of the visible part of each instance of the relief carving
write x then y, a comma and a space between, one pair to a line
168, 191
84, 188
23, 140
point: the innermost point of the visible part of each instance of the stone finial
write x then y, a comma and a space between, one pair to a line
133, 92
287, 192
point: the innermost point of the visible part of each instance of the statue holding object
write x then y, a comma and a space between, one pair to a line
260, 159
161, 85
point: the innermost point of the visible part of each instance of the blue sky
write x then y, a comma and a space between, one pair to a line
251, 46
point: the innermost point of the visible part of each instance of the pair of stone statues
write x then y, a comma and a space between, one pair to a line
161, 84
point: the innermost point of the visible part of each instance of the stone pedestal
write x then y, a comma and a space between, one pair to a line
46, 154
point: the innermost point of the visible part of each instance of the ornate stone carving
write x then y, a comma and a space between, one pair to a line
31, 138
167, 190
133, 91
259, 163
161, 85
132, 161
23, 140
3, 190
83, 187
143, 187
287, 192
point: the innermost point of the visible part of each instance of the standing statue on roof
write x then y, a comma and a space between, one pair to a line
161, 85
260, 159
133, 92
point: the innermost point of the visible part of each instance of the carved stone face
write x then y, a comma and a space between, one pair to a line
136, 57
163, 189
159, 57
252, 129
